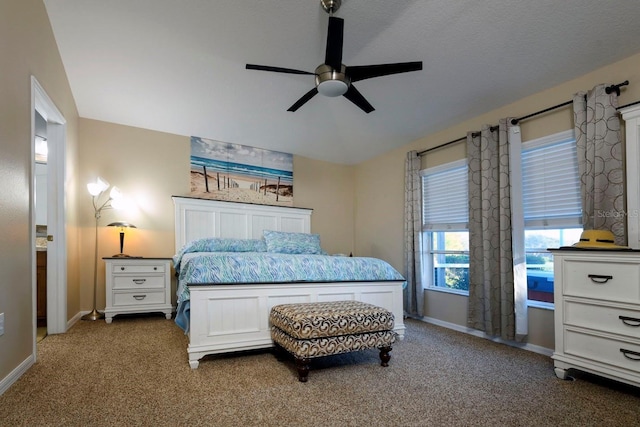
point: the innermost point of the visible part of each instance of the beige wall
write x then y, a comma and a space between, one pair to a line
149, 167
328, 189
27, 48
380, 182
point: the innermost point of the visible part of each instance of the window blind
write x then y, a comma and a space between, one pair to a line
445, 197
551, 184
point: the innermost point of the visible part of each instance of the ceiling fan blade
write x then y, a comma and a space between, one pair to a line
300, 102
276, 69
362, 72
356, 97
335, 33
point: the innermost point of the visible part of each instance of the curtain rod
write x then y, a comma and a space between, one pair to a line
608, 90
464, 138
628, 105
420, 153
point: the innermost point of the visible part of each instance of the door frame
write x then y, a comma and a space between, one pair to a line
56, 218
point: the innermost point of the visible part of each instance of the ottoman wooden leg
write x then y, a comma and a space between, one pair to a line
302, 364
385, 356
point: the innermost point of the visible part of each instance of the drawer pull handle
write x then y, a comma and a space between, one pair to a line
139, 281
631, 355
598, 278
155, 268
122, 268
630, 321
141, 297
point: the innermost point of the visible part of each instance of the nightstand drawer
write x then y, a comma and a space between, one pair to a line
137, 268
611, 281
138, 282
601, 318
603, 350
122, 299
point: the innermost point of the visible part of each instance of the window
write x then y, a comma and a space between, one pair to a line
552, 207
445, 237
552, 210
540, 262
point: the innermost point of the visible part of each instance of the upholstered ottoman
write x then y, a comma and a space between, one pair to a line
309, 330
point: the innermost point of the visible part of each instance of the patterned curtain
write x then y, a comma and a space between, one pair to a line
413, 292
600, 161
492, 293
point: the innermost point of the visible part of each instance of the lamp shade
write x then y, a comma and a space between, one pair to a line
97, 187
122, 226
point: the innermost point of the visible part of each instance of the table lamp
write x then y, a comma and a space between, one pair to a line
122, 226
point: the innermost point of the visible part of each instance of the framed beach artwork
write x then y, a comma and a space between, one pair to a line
239, 173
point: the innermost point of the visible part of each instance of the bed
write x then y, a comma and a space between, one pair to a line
233, 262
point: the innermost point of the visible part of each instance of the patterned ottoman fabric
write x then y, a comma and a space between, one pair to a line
330, 319
326, 346
309, 330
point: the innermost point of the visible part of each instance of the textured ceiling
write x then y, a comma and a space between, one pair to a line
178, 66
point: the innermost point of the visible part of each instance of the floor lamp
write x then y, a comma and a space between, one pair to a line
97, 189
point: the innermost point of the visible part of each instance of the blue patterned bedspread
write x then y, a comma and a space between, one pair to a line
268, 267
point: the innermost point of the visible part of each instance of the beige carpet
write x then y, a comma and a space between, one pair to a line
135, 372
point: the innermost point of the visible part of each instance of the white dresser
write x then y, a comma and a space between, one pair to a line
137, 285
597, 313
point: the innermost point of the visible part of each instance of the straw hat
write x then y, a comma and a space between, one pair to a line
598, 239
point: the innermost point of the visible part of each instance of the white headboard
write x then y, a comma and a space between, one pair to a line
198, 218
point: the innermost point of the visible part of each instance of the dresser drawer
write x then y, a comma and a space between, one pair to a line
123, 299
137, 268
603, 350
610, 281
138, 282
601, 318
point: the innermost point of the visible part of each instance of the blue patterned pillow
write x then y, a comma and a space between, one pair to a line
237, 245
292, 243
220, 244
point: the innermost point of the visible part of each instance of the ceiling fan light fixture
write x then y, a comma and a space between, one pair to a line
332, 88
330, 82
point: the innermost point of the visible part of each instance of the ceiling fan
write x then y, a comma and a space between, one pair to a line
333, 78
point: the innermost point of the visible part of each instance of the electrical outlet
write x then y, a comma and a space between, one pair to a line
1, 323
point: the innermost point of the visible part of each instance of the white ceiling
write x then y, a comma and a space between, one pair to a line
178, 66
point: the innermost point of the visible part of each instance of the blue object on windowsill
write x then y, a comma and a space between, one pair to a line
541, 281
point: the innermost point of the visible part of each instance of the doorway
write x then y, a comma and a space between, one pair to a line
52, 123
40, 165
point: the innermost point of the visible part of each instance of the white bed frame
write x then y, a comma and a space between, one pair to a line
226, 318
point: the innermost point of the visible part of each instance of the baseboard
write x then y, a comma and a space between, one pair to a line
8, 381
525, 346
75, 319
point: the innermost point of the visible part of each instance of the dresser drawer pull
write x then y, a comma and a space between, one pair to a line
141, 297
597, 278
631, 355
630, 321
139, 281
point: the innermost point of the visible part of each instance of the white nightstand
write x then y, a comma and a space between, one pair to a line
137, 285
